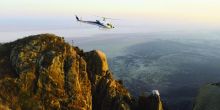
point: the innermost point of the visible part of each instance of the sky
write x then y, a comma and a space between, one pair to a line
41, 14
205, 11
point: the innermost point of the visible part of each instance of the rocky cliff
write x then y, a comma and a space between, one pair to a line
42, 72
208, 97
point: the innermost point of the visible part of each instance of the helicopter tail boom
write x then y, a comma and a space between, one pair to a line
77, 18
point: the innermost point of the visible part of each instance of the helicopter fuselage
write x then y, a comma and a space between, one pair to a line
103, 24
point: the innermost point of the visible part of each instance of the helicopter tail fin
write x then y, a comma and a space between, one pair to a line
77, 18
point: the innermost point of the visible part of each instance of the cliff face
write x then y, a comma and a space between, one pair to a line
208, 97
43, 72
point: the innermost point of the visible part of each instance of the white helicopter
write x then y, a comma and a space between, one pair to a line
103, 23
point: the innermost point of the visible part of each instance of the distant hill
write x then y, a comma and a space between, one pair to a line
175, 68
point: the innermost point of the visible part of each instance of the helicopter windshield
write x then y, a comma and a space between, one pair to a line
110, 25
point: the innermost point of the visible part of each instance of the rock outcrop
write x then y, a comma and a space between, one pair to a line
42, 72
208, 97
108, 94
151, 102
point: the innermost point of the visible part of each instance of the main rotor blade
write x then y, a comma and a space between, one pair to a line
107, 17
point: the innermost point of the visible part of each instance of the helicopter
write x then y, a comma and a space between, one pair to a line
101, 23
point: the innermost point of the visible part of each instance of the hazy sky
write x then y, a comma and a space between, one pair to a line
160, 15
204, 11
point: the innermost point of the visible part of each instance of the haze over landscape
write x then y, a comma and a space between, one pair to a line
169, 45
